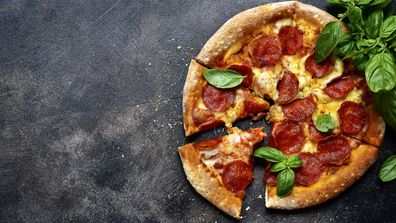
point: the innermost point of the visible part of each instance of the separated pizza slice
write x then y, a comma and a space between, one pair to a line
329, 166
221, 169
205, 106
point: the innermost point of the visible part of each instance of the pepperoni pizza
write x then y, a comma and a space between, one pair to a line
273, 47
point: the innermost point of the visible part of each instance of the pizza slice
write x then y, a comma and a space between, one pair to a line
329, 166
205, 106
221, 169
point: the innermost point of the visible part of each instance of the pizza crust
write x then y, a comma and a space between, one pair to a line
328, 186
240, 27
191, 94
206, 184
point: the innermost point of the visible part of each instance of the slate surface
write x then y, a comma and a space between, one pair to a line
90, 117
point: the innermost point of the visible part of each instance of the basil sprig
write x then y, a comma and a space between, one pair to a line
222, 78
283, 165
388, 169
324, 123
369, 42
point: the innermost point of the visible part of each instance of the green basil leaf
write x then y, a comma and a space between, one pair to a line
388, 27
365, 43
373, 23
363, 2
381, 72
386, 106
344, 39
342, 51
355, 15
380, 3
278, 167
360, 62
221, 78
393, 45
269, 154
388, 169
324, 123
293, 161
327, 40
285, 182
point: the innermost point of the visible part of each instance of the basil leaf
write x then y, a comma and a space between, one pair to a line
293, 161
381, 72
278, 167
221, 78
365, 43
388, 169
269, 154
355, 15
373, 23
327, 40
360, 62
285, 182
342, 51
393, 45
380, 3
324, 123
363, 2
386, 106
388, 27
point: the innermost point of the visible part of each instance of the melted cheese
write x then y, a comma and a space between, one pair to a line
235, 48
266, 80
282, 22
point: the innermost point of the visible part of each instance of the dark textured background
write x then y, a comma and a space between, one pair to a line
90, 117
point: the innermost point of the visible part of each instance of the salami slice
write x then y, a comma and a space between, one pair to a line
253, 106
310, 171
300, 109
340, 88
245, 71
291, 39
353, 117
287, 136
217, 100
287, 87
321, 69
314, 134
265, 51
211, 143
334, 150
237, 175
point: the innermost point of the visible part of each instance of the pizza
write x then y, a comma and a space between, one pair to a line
272, 46
220, 169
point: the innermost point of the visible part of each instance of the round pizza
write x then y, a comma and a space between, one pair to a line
323, 113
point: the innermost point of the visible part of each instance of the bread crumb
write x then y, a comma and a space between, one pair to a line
247, 208
179, 47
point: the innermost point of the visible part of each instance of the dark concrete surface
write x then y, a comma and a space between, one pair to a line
90, 117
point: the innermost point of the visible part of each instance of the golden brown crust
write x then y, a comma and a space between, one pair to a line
329, 185
315, 16
376, 127
204, 182
242, 26
191, 94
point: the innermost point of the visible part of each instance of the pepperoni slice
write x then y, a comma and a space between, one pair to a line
291, 39
211, 143
237, 175
310, 171
340, 88
334, 150
265, 51
253, 106
300, 109
217, 100
321, 69
367, 94
314, 134
287, 136
353, 117
245, 71
287, 87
